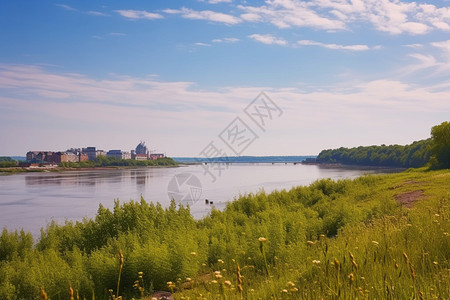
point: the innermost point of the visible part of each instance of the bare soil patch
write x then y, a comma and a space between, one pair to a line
408, 198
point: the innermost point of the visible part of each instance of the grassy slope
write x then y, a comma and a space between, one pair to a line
400, 254
346, 239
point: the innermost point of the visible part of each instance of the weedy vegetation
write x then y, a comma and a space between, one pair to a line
346, 239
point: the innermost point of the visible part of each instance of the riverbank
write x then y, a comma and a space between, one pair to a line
18, 170
327, 239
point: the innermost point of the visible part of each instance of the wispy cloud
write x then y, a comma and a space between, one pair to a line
172, 106
66, 7
139, 14
218, 1
96, 13
445, 46
334, 46
202, 44
226, 40
208, 15
117, 34
268, 39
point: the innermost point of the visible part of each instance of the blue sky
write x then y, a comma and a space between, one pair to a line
176, 73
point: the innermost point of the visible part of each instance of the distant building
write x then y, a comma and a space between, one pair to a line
40, 155
118, 154
155, 156
92, 153
141, 149
60, 157
140, 157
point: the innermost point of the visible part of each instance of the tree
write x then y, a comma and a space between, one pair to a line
440, 145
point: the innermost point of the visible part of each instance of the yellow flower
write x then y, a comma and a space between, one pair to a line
262, 239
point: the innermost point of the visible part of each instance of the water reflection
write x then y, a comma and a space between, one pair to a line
31, 200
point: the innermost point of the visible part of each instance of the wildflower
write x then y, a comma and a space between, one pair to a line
375, 243
316, 262
337, 264
435, 263
214, 281
220, 261
141, 273
43, 294
284, 291
218, 276
217, 272
262, 239
351, 277
188, 279
290, 283
227, 282
294, 289
310, 243
193, 253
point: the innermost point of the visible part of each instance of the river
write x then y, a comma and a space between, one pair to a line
32, 200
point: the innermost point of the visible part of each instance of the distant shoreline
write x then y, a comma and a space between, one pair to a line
20, 170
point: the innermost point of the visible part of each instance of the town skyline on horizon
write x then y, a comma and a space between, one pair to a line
185, 75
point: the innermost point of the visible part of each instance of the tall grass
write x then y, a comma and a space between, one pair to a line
348, 239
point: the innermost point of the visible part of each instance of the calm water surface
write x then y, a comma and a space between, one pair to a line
31, 200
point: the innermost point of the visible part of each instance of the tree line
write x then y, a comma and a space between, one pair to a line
414, 155
434, 152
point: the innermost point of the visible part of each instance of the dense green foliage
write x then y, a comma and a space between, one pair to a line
103, 161
343, 239
440, 147
7, 162
414, 155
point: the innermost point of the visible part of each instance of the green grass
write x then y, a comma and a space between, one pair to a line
348, 239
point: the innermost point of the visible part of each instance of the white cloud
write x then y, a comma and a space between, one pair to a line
96, 13
286, 14
334, 46
391, 16
139, 14
417, 45
268, 39
80, 109
251, 17
445, 46
226, 40
208, 15
202, 44
66, 7
219, 1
